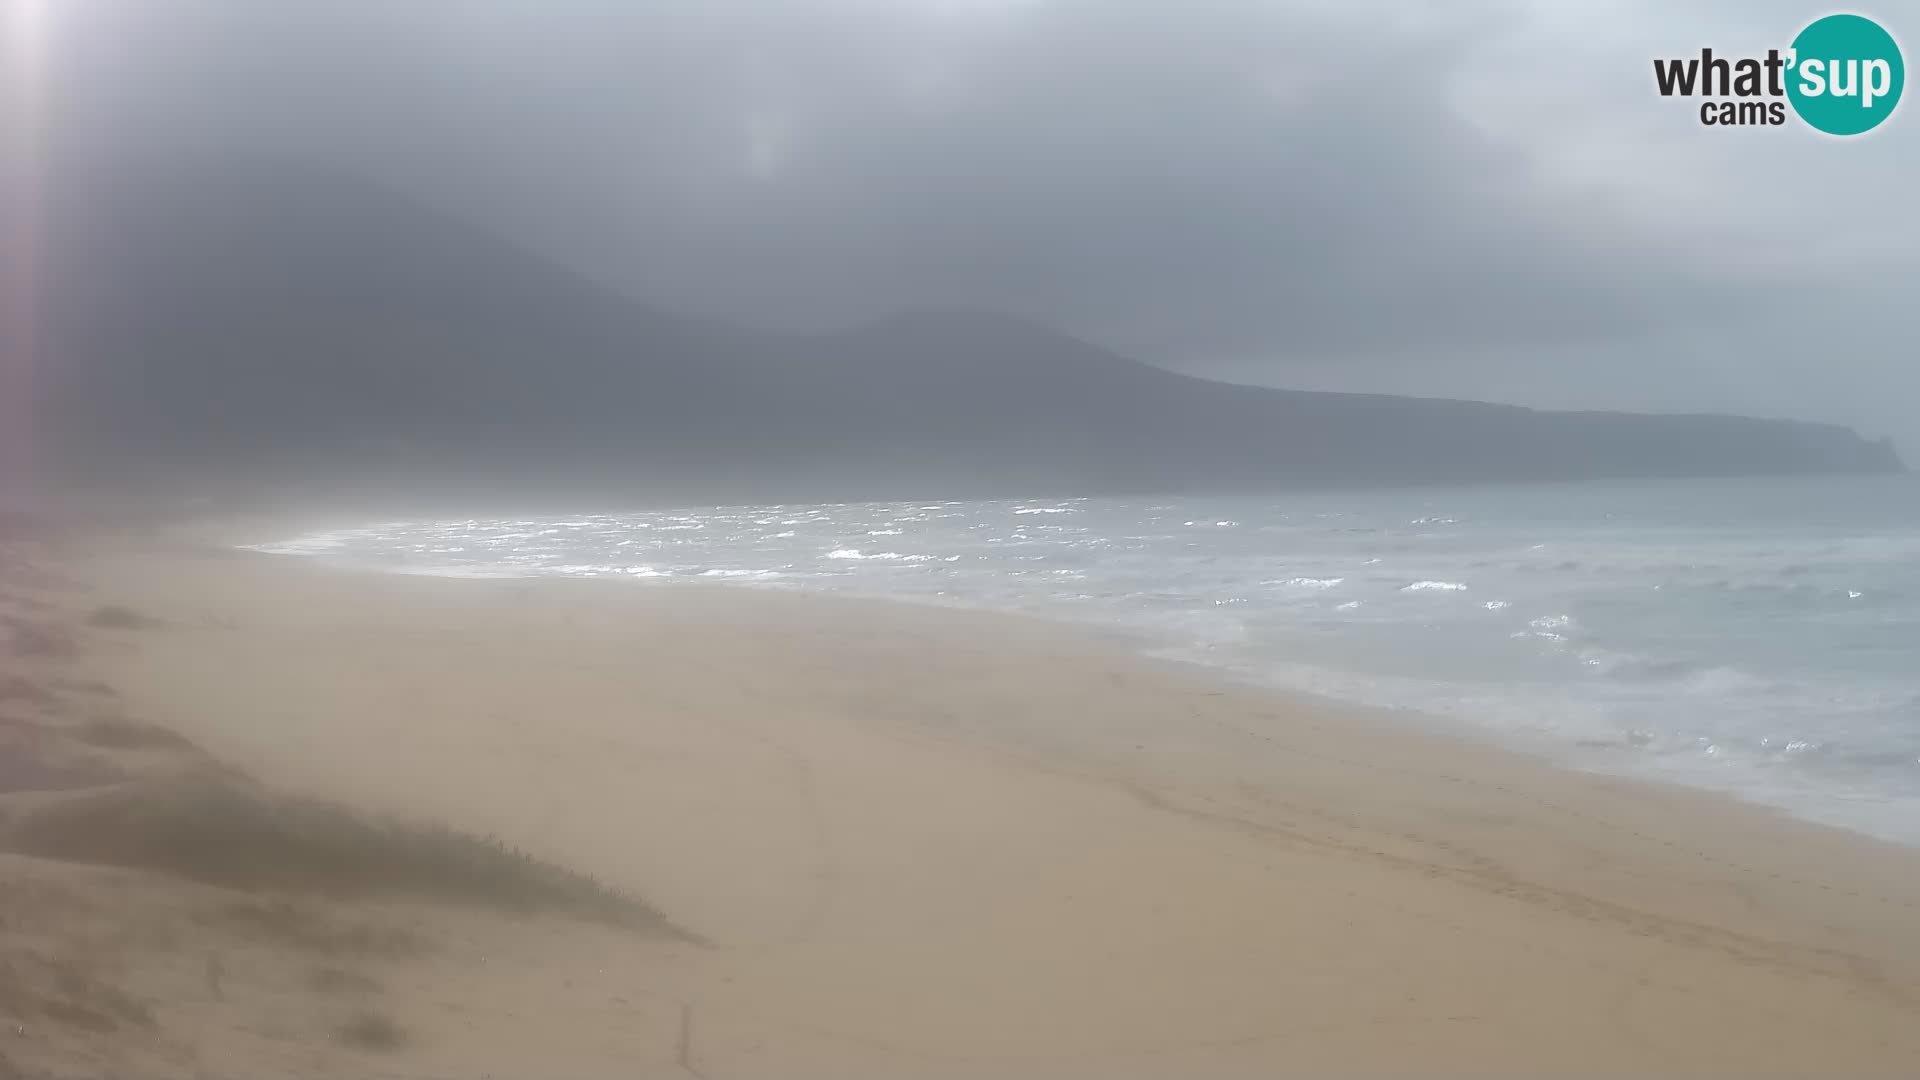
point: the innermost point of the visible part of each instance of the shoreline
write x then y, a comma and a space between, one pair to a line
922, 840
1554, 752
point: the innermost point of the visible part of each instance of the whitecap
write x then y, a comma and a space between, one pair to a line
1306, 582
1435, 586
856, 553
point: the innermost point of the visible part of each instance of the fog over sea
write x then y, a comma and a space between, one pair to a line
1757, 637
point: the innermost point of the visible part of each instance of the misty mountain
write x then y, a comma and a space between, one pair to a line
282, 324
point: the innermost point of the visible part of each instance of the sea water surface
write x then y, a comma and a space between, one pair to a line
1757, 637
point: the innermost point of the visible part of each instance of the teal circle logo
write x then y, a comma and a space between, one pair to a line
1846, 74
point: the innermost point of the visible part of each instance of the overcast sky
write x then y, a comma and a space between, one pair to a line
1470, 199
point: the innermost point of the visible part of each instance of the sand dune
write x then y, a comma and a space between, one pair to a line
879, 840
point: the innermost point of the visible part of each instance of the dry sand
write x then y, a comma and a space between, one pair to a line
885, 841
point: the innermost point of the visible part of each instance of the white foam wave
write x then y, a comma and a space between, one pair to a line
306, 545
1306, 582
856, 553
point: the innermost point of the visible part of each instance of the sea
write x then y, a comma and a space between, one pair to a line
1759, 638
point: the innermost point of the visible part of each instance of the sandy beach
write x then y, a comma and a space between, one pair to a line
859, 839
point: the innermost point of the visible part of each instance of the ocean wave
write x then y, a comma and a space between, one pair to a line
1435, 586
488, 573
298, 547
1305, 582
1680, 675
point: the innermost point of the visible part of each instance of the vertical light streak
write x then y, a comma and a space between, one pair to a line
23, 57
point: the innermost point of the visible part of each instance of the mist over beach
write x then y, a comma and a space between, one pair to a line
917, 538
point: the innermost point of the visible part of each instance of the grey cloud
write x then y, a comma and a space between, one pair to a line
1292, 193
